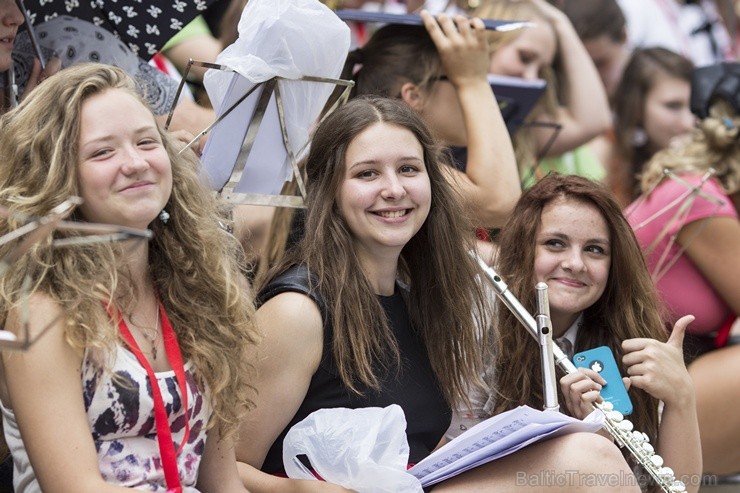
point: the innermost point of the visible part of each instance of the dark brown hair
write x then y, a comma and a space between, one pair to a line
596, 18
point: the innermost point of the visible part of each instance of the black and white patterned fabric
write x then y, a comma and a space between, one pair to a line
76, 41
144, 26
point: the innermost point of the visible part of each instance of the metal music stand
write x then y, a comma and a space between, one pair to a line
33, 230
261, 94
556, 128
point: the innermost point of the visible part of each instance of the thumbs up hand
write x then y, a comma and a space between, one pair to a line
658, 367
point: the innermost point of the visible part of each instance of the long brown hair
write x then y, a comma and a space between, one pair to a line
444, 300
194, 264
394, 55
628, 308
645, 67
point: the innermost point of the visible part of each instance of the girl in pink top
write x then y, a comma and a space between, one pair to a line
687, 223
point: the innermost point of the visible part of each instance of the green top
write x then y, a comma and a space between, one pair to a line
196, 27
580, 161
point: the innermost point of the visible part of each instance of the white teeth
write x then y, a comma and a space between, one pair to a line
392, 214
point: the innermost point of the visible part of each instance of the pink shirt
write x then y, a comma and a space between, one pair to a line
683, 288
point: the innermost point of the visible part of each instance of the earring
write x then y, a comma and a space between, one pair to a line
164, 216
639, 137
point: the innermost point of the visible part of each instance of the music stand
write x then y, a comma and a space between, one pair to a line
254, 114
555, 127
34, 230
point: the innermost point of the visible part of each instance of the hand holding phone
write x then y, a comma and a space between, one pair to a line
601, 360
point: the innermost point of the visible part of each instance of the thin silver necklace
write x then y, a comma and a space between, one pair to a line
151, 334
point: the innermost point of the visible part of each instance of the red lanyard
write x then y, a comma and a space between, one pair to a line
164, 434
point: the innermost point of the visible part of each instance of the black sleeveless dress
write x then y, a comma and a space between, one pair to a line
413, 387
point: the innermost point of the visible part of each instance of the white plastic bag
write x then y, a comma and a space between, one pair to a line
285, 38
360, 449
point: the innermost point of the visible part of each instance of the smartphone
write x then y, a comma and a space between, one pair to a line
601, 360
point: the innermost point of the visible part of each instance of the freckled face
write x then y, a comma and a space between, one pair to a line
385, 195
573, 257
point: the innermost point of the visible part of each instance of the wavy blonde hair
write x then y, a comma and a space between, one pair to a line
714, 144
194, 264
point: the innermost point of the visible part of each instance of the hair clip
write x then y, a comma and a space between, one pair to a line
728, 123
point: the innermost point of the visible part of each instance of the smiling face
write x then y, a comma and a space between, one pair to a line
10, 19
124, 172
573, 256
526, 54
667, 111
385, 194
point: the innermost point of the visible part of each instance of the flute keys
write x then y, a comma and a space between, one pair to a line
665, 472
607, 406
615, 416
638, 437
649, 449
656, 460
626, 425
677, 487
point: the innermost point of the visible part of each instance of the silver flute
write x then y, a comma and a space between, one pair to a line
547, 357
636, 442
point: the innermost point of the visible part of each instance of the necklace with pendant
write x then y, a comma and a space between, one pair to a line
151, 334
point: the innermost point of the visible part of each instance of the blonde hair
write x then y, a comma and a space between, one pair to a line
714, 144
525, 145
194, 264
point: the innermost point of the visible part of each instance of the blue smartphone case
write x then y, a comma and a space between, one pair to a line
601, 360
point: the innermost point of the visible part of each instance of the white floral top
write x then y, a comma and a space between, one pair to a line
121, 415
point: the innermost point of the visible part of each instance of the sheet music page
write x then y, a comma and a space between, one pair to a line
497, 437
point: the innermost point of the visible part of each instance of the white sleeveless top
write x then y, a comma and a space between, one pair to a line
121, 416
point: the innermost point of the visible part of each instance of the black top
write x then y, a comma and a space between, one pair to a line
414, 387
